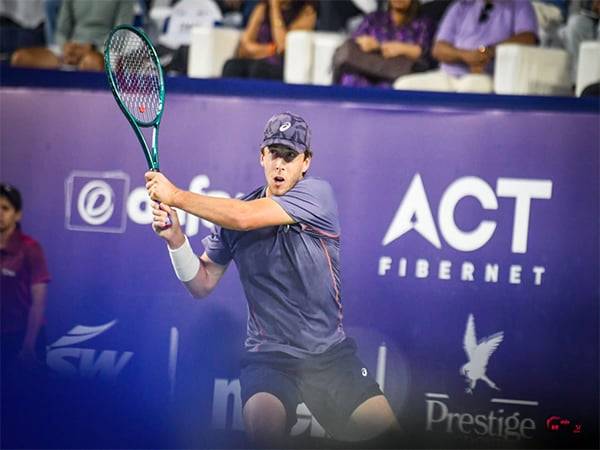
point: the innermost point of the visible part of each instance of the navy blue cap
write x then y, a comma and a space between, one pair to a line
287, 129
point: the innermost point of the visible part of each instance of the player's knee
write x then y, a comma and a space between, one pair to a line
372, 419
265, 420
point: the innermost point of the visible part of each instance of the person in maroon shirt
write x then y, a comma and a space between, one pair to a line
23, 288
24, 281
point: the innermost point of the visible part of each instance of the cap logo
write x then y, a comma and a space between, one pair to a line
285, 126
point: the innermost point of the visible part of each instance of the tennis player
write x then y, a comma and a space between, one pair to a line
284, 238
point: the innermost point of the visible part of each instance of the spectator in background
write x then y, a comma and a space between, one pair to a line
51, 9
550, 14
582, 25
466, 41
24, 284
21, 25
262, 45
81, 31
173, 45
397, 32
341, 15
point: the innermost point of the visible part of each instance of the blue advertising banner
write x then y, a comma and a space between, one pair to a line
470, 273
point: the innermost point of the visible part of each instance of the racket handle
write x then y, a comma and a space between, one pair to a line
169, 222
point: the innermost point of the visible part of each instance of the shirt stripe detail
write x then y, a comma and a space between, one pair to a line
335, 286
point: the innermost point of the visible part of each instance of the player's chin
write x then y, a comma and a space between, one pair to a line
279, 188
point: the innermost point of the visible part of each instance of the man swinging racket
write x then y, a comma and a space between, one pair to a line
284, 238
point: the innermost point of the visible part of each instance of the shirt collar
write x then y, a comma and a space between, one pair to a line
12, 246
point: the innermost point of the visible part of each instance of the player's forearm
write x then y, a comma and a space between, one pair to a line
202, 284
226, 212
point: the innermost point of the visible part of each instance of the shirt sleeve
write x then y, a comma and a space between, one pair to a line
312, 203
525, 19
364, 27
216, 247
448, 26
36, 262
424, 35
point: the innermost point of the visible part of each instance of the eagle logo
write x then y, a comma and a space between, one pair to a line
479, 354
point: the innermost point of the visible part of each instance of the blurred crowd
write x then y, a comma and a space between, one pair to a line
437, 45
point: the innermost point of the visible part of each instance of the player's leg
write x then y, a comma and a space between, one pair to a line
345, 399
265, 420
269, 398
371, 419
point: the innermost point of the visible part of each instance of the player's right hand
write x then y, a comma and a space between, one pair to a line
161, 214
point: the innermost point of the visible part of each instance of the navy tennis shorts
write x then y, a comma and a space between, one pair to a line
332, 384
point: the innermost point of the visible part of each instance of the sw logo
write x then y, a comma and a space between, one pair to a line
64, 358
479, 354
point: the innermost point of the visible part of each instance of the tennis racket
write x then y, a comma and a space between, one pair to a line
136, 81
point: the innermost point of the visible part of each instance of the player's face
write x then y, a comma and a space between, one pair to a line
283, 168
9, 216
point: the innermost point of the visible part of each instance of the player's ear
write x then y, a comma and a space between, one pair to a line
262, 156
306, 163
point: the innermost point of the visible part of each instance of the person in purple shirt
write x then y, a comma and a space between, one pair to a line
284, 238
466, 41
399, 31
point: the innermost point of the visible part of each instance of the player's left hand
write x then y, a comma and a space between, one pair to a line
159, 188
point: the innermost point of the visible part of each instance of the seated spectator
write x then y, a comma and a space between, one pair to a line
21, 25
582, 25
82, 28
466, 41
550, 15
387, 35
262, 45
173, 45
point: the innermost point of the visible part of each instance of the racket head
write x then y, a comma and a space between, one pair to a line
135, 75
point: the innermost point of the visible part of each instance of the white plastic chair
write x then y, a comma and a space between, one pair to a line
210, 47
308, 56
588, 67
528, 70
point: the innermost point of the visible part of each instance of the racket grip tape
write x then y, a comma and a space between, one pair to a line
169, 221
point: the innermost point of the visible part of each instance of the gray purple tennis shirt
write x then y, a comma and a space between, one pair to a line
290, 273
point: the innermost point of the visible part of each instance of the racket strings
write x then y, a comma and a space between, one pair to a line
136, 74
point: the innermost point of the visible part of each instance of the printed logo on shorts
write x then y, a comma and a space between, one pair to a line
363, 371
285, 126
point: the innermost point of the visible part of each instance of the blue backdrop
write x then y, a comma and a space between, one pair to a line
468, 223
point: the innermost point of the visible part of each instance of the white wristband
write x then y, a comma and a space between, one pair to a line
185, 262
